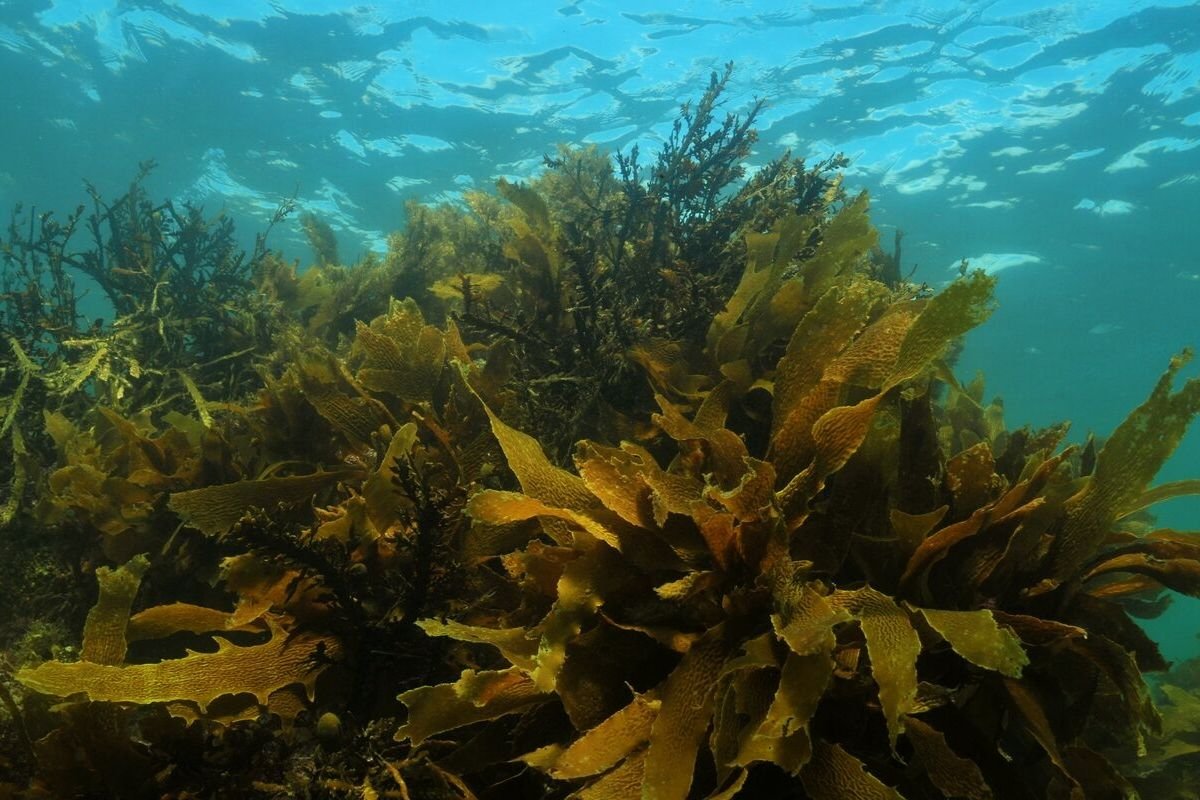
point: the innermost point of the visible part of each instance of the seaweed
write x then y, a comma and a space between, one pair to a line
178, 290
637, 479
607, 264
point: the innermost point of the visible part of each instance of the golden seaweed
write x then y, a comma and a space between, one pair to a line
1125, 466
199, 678
634, 480
105, 631
475, 697
214, 509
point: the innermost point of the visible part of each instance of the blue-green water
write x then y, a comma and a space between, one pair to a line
1056, 143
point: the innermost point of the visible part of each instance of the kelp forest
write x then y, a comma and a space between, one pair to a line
648, 477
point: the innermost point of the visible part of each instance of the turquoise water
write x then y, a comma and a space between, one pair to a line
1057, 144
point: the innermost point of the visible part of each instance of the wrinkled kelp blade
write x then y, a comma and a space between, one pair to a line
678, 730
474, 697
975, 636
539, 478
806, 620
1131, 458
613, 739
893, 646
214, 509
158, 622
515, 644
954, 775
834, 774
199, 678
621, 783
105, 631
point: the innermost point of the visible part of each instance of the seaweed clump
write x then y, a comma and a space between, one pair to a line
669, 490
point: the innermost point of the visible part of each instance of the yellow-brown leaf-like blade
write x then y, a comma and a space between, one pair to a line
1098, 777
767, 257
529, 201
1038, 631
337, 398
418, 378
614, 476
760, 248
743, 699
474, 697
403, 356
199, 678
818, 338
383, 502
791, 439
1131, 458
214, 509
790, 751
388, 341
836, 436
783, 736
514, 644
845, 242
801, 685
104, 633
975, 636
667, 367
806, 620
629, 482
539, 478
720, 534
671, 492
954, 775
870, 358
1166, 491
753, 496
935, 547
839, 431
158, 622
580, 592
726, 451
893, 646
1029, 705
911, 529
1179, 574
622, 783
612, 740
481, 284
21, 463
958, 308
499, 507
731, 787
1121, 667
687, 702
972, 479
834, 774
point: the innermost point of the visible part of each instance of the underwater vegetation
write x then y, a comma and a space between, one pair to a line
645, 478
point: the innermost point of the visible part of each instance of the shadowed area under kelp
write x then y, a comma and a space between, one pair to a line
642, 478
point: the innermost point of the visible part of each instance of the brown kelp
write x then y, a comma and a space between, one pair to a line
637, 479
